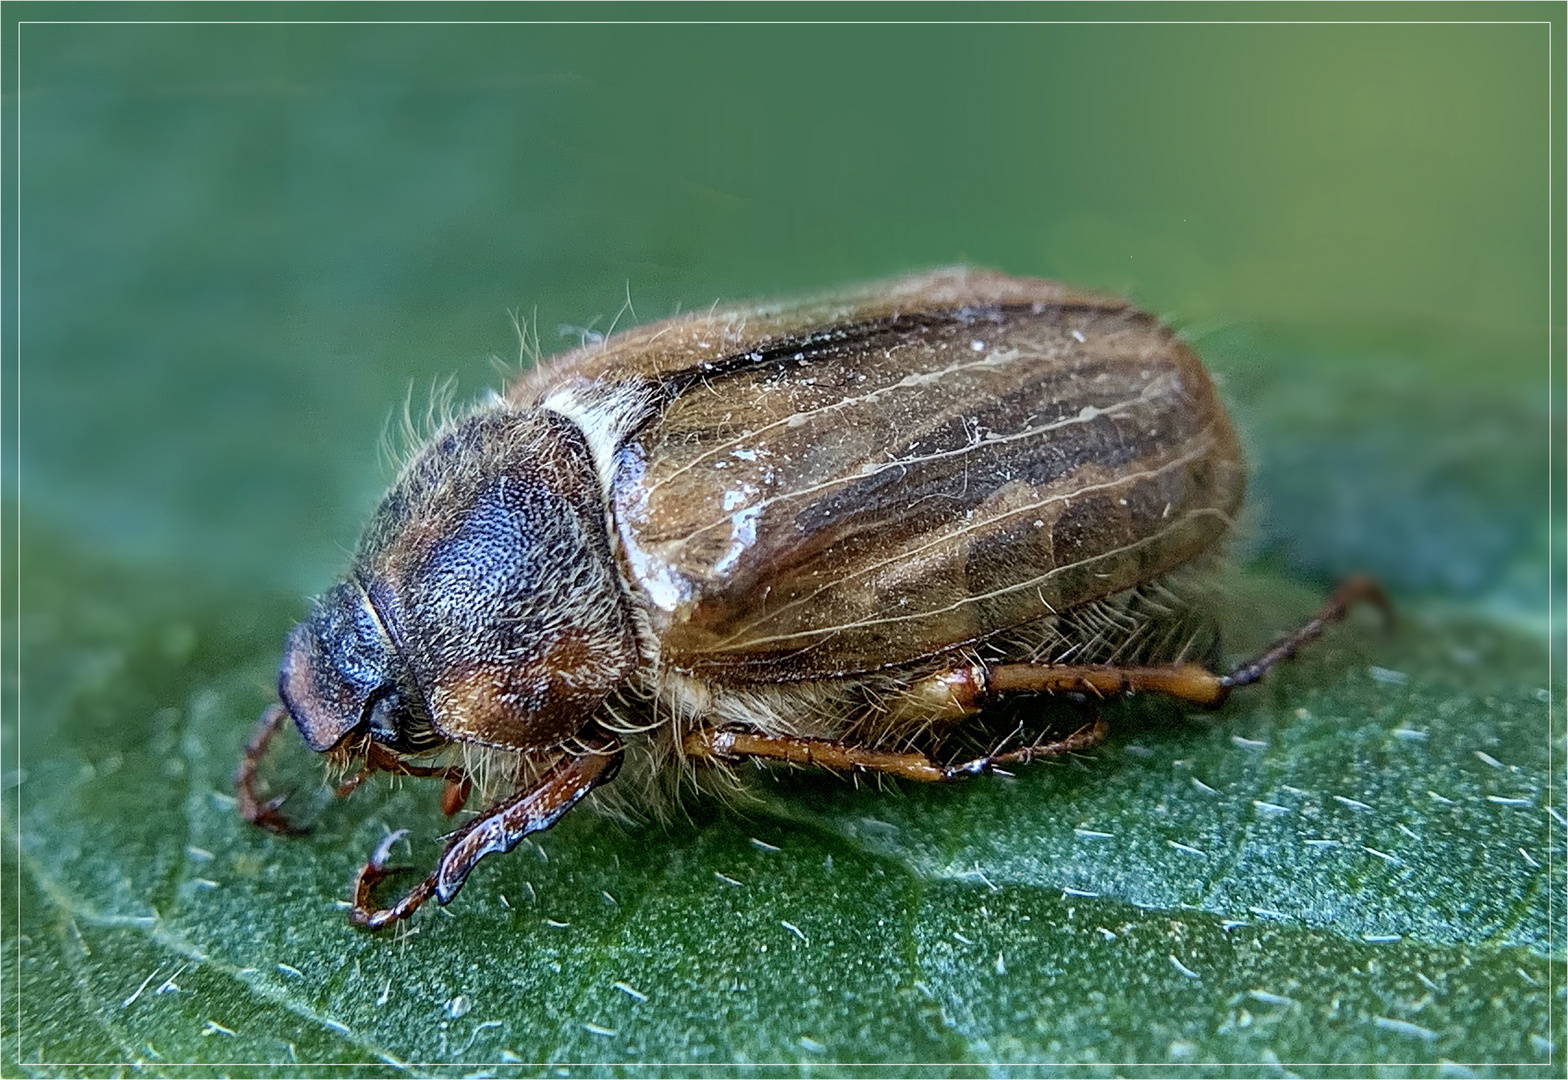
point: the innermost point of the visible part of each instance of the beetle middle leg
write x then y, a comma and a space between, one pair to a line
711, 745
499, 829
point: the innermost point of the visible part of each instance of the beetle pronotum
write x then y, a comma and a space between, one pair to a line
827, 533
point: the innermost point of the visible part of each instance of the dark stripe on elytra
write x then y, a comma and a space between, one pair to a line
945, 488
857, 338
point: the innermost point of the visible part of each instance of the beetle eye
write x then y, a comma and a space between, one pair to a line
395, 725
381, 716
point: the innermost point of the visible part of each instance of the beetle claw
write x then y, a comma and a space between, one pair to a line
263, 815
266, 816
365, 913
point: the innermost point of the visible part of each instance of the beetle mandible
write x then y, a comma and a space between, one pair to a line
827, 533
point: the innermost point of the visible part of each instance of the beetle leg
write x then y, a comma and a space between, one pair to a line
1188, 682
736, 744
1085, 738
453, 795
499, 829
711, 745
266, 814
1351, 592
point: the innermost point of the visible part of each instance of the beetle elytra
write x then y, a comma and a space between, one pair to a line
829, 533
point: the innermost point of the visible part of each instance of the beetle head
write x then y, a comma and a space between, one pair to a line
342, 674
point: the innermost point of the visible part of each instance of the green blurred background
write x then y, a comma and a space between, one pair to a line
241, 246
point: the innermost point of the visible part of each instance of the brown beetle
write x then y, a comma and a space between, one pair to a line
825, 533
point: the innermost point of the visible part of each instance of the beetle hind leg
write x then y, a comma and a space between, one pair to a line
1192, 683
1353, 591
963, 690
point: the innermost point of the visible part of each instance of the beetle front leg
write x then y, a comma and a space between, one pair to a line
263, 814
499, 829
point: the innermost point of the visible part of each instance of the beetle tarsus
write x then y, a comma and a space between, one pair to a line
264, 814
1085, 738
1353, 591
365, 914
